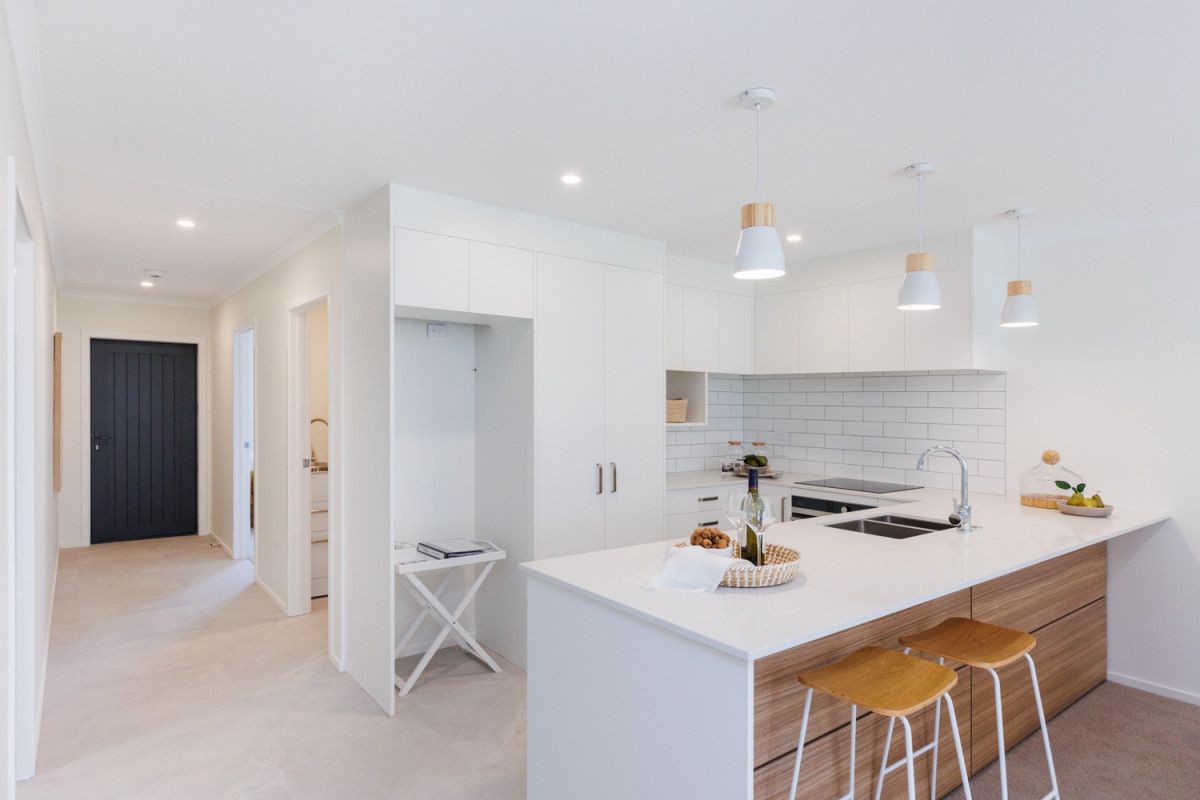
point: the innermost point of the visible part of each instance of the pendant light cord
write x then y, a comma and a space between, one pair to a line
920, 217
757, 153
1018, 248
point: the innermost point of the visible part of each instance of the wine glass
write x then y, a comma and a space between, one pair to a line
736, 514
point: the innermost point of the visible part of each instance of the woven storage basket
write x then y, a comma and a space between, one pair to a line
677, 410
781, 566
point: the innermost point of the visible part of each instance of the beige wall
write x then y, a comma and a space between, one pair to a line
263, 304
86, 315
1109, 379
318, 378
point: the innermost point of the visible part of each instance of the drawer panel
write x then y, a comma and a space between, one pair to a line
824, 772
697, 500
779, 699
1034, 597
680, 526
1071, 658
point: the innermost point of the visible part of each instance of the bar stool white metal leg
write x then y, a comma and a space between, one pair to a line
986, 646
910, 754
868, 679
1037, 699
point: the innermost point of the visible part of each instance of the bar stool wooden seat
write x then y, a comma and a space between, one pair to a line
988, 647
888, 683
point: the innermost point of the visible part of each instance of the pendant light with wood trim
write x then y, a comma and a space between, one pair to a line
1019, 309
759, 254
920, 290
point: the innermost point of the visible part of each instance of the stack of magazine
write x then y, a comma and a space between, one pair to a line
452, 548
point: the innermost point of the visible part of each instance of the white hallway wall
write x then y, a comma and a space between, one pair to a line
1109, 378
264, 304
16, 141
80, 314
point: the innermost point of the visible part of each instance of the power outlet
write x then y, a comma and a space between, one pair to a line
435, 330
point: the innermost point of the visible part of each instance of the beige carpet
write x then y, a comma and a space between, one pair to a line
1116, 743
172, 676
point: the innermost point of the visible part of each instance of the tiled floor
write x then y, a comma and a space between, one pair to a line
172, 676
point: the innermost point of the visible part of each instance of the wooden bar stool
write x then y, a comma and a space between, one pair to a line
888, 683
989, 647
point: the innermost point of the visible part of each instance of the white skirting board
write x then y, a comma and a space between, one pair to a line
1155, 688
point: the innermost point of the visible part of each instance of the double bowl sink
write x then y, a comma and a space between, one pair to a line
893, 526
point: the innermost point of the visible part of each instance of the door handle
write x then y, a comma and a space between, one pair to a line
599, 479
711, 499
613, 466
97, 438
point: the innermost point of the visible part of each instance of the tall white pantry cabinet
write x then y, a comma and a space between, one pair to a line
598, 400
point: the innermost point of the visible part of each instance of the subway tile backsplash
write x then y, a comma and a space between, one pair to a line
860, 426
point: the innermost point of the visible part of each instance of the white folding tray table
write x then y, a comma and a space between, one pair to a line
409, 564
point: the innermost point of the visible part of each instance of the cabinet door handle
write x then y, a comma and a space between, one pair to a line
714, 523
712, 499
613, 466
599, 479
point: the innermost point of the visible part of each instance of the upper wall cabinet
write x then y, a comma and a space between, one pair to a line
875, 326
736, 338
777, 333
822, 329
432, 271
447, 273
501, 280
707, 331
701, 330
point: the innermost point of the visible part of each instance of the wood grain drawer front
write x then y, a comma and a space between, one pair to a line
825, 773
1071, 658
699, 500
1037, 596
779, 698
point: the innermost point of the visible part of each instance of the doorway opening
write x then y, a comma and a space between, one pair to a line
243, 445
144, 442
309, 443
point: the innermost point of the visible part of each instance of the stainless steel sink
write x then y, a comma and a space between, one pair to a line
893, 526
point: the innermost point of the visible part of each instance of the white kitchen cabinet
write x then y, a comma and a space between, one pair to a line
776, 332
673, 325
941, 339
431, 271
736, 345
634, 383
501, 280
821, 329
681, 526
875, 326
598, 389
701, 329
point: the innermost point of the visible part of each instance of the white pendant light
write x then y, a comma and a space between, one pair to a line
919, 291
1019, 309
759, 254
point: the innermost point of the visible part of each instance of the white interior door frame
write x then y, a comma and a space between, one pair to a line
8, 639
85, 405
299, 590
245, 427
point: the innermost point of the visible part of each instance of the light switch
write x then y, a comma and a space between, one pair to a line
435, 330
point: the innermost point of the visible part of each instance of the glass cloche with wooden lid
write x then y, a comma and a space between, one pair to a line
1038, 485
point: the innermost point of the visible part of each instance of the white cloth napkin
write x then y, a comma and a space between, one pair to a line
690, 569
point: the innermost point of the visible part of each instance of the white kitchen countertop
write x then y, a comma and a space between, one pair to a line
845, 578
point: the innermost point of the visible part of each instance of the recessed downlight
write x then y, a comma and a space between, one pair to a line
794, 237
147, 284
184, 222
571, 179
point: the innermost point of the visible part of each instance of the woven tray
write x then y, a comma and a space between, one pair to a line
781, 566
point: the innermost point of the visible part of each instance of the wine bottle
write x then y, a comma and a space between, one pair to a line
755, 509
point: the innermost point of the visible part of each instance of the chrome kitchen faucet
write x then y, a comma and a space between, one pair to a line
964, 506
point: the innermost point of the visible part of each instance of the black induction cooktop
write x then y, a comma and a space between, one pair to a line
858, 485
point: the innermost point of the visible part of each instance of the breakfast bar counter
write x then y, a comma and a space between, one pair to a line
641, 693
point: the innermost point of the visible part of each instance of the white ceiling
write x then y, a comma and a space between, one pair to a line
256, 118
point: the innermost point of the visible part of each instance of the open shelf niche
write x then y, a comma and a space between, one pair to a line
693, 386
